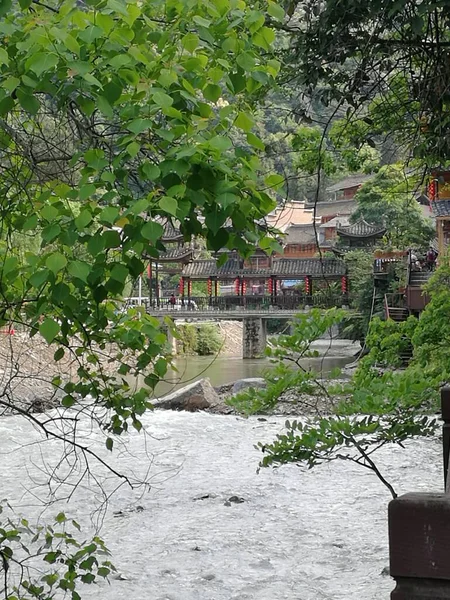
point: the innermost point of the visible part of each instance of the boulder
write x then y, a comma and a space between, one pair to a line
199, 395
251, 382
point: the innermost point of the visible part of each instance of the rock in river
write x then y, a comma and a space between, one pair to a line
199, 395
251, 382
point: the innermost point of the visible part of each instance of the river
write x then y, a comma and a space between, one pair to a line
299, 534
226, 369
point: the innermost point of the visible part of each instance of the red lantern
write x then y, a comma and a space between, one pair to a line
209, 287
270, 285
344, 285
181, 286
189, 287
308, 285
432, 190
244, 287
237, 286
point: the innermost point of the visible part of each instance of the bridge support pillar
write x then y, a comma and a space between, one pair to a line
171, 343
254, 337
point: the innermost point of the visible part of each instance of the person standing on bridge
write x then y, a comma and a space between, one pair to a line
172, 301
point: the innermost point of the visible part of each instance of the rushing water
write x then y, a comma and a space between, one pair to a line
226, 369
299, 534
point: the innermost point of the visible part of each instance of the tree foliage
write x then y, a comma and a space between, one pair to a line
395, 55
115, 118
388, 201
372, 409
117, 108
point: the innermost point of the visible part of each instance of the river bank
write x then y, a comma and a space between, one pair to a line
27, 368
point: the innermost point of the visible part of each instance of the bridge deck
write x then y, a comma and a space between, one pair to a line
227, 315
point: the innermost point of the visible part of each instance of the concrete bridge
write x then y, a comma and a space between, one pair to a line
252, 311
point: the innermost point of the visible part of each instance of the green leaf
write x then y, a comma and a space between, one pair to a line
119, 273
9, 265
212, 92
86, 191
51, 232
109, 443
49, 329
56, 262
111, 239
190, 42
215, 219
28, 102
140, 125
275, 11
152, 231
41, 62
59, 354
83, 219
227, 198
109, 215
274, 181
254, 141
169, 205
150, 171
4, 57
105, 107
246, 61
6, 105
220, 142
264, 38
79, 270
61, 518
244, 121
202, 21
162, 99
30, 223
39, 277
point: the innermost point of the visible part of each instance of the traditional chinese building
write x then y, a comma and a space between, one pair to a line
359, 235
439, 197
311, 274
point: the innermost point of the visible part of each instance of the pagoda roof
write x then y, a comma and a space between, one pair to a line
361, 229
171, 233
176, 255
441, 208
281, 267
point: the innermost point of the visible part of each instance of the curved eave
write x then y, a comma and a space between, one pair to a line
361, 236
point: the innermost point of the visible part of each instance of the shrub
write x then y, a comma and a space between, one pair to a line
209, 340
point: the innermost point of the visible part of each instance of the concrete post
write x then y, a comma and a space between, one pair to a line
254, 337
171, 344
419, 536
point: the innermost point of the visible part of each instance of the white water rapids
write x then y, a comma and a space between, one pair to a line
299, 534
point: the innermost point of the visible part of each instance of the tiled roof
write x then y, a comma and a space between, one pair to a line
335, 208
361, 229
349, 182
336, 222
441, 208
199, 269
282, 267
314, 267
300, 234
171, 232
175, 254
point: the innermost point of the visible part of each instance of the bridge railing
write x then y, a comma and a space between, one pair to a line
320, 299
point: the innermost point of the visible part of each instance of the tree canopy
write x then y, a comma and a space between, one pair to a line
383, 64
115, 117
